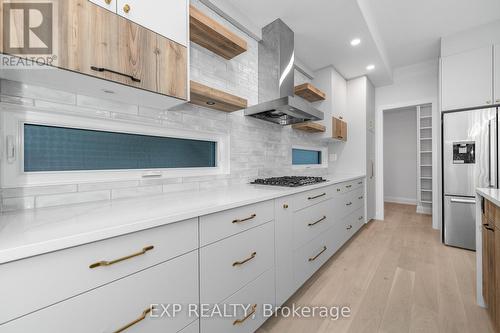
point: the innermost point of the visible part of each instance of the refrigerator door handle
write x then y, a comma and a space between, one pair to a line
465, 201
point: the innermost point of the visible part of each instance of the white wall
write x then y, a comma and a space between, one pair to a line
413, 85
400, 156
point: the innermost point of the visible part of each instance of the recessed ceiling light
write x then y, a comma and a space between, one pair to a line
370, 67
355, 42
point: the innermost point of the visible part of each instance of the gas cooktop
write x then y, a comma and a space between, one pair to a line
290, 181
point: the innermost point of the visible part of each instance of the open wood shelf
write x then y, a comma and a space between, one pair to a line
212, 98
310, 92
213, 36
310, 127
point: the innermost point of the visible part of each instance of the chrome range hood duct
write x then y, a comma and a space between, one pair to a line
277, 102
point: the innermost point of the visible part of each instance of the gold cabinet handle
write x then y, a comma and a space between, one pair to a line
239, 263
360, 218
348, 204
318, 221
251, 313
349, 227
247, 219
316, 256
108, 2
141, 318
348, 186
126, 8
360, 198
112, 262
360, 183
317, 196
285, 206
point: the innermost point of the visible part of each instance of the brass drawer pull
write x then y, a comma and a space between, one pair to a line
360, 218
317, 196
141, 318
348, 204
348, 186
112, 262
108, 2
102, 70
126, 8
247, 219
318, 221
360, 183
349, 227
490, 229
251, 313
239, 263
360, 198
316, 256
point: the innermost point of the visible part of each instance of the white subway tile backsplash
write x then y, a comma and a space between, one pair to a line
106, 185
71, 198
37, 190
12, 204
108, 105
136, 191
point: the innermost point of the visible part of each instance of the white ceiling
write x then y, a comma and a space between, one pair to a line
394, 33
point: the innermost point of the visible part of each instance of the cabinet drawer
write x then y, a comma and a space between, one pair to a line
230, 264
311, 257
348, 186
47, 276
312, 221
113, 306
217, 226
257, 293
349, 202
309, 198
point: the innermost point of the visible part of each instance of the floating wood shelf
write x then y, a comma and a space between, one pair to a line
213, 36
310, 127
212, 98
309, 92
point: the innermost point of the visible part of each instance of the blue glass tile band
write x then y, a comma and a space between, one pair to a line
50, 148
305, 157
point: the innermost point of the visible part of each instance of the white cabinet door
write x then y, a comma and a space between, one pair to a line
167, 18
108, 4
497, 74
467, 79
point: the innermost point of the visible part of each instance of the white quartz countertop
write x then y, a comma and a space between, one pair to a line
32, 232
492, 194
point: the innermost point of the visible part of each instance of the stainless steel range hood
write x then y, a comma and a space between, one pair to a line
277, 102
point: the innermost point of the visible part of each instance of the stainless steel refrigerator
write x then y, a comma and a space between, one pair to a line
470, 160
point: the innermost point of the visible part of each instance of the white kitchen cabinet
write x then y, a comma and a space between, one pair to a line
167, 18
497, 74
466, 79
123, 302
108, 4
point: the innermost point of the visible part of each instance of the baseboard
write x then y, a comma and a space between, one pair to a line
424, 210
399, 200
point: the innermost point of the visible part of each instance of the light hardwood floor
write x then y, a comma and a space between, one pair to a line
397, 277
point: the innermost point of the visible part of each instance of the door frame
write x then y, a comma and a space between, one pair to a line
379, 156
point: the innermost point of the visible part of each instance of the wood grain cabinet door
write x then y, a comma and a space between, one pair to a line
171, 68
496, 282
344, 130
485, 260
88, 40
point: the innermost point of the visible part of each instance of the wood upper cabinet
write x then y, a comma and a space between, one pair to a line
167, 18
466, 79
339, 129
496, 75
99, 43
